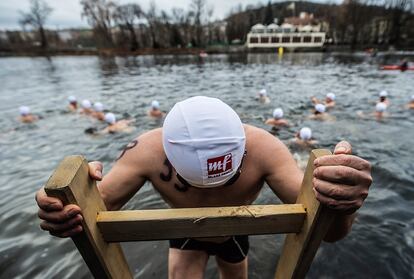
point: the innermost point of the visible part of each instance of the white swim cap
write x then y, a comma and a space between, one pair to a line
72, 99
263, 92
412, 97
305, 133
320, 108
155, 104
331, 96
278, 113
86, 104
383, 93
381, 107
110, 118
204, 140
24, 110
98, 107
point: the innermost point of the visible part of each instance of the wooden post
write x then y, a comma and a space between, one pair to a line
72, 185
299, 249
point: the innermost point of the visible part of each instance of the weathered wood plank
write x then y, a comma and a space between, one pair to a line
300, 249
71, 183
199, 222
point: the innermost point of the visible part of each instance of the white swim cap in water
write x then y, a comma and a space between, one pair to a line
204, 140
320, 108
86, 104
305, 133
110, 118
381, 107
331, 96
412, 97
277, 113
383, 93
24, 110
72, 99
155, 104
263, 92
98, 107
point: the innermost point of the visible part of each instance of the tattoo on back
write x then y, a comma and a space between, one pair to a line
129, 146
168, 176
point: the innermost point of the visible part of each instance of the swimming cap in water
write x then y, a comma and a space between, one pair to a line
24, 110
277, 113
204, 140
98, 107
381, 107
110, 118
72, 99
331, 96
383, 93
155, 104
412, 97
86, 104
320, 108
263, 92
305, 133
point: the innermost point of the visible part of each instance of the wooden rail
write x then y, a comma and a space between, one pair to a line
306, 222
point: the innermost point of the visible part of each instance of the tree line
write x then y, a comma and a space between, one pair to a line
129, 26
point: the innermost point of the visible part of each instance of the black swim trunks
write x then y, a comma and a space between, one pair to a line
233, 250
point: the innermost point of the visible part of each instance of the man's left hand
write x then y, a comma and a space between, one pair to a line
341, 181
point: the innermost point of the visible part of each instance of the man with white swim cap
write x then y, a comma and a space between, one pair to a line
86, 107
262, 96
277, 120
329, 100
98, 111
321, 114
204, 157
383, 97
26, 116
73, 104
155, 110
304, 138
116, 126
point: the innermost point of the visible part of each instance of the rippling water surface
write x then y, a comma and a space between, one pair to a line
381, 244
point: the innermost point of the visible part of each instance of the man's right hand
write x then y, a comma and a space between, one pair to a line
59, 220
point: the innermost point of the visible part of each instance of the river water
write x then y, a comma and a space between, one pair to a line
381, 244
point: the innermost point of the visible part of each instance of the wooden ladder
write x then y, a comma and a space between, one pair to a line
305, 222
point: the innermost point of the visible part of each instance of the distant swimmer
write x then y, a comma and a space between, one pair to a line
26, 116
304, 138
380, 111
411, 103
98, 111
116, 126
404, 65
86, 107
262, 97
329, 100
155, 110
383, 97
73, 104
321, 114
277, 120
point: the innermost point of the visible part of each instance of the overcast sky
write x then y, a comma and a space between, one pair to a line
66, 13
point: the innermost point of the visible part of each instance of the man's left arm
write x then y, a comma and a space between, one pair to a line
341, 182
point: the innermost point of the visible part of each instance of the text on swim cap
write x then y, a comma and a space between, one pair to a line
219, 166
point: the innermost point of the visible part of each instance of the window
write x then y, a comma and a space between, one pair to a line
264, 40
307, 39
285, 39
254, 40
275, 39
296, 39
317, 39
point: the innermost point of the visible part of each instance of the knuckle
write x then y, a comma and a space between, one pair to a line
364, 194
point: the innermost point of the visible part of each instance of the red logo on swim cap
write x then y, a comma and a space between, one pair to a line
219, 166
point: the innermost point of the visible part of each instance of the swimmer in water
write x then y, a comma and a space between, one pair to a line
222, 159
26, 116
329, 100
383, 98
116, 126
321, 114
98, 111
411, 103
262, 97
73, 104
155, 110
380, 111
277, 120
304, 138
86, 107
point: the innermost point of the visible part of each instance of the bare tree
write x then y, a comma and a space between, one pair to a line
199, 8
125, 16
36, 17
152, 19
99, 14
